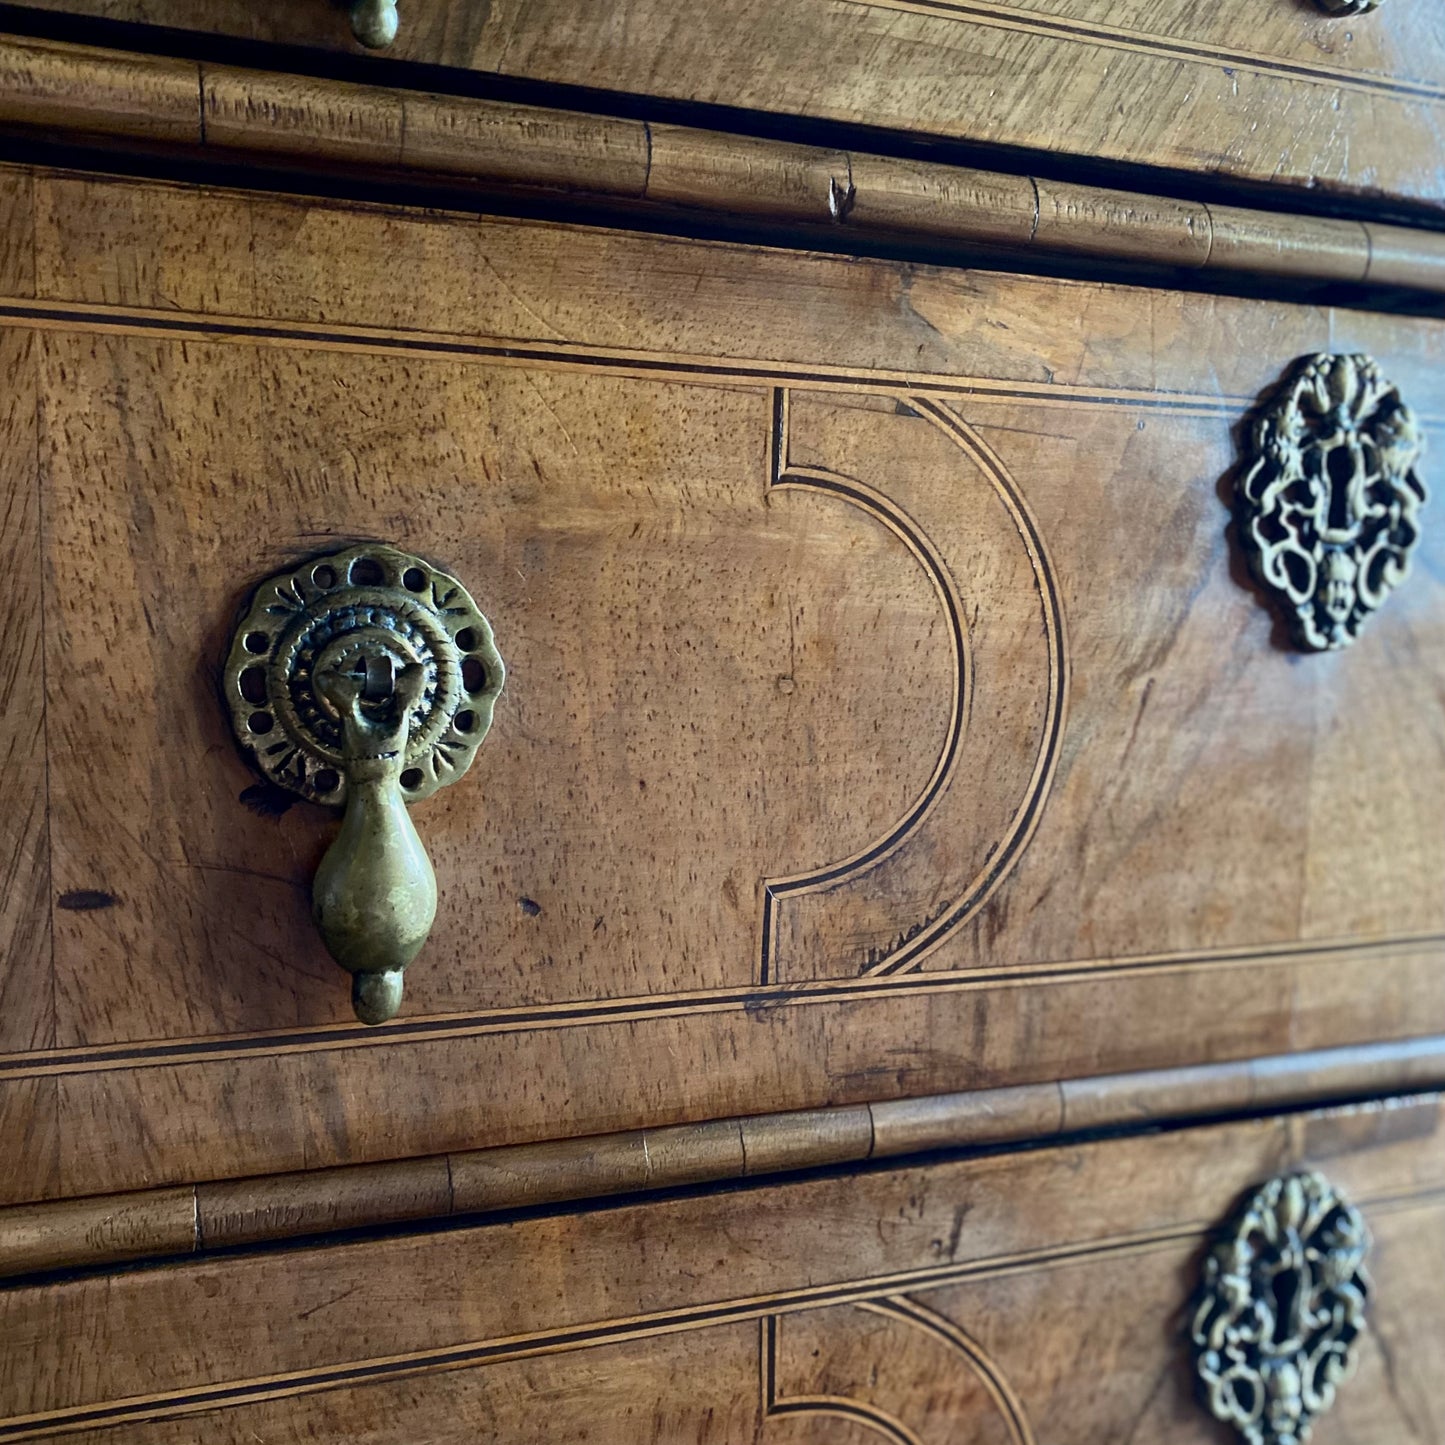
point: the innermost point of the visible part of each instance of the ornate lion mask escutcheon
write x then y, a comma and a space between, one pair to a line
1280, 1310
1329, 499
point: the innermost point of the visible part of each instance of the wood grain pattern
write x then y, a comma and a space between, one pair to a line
1282, 95
488, 146
67, 1234
64, 88
890, 714
30, 1112
27, 1013
938, 562
1029, 1296
319, 1202
104, 1230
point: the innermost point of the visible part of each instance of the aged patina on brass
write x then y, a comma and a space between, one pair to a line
366, 678
1281, 1310
374, 22
1329, 498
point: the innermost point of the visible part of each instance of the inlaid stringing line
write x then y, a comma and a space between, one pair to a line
1138, 42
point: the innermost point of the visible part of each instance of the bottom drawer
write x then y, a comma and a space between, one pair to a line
1039, 1295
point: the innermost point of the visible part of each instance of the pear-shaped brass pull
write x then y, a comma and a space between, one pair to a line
375, 894
366, 678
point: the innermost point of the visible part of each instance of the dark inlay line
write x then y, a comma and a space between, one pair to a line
898, 521
904, 525
1058, 680
870, 1416
753, 1000
893, 139
954, 1337
735, 372
234, 1393
1195, 51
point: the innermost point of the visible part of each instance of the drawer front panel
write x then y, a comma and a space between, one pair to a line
889, 710
1041, 1296
1278, 92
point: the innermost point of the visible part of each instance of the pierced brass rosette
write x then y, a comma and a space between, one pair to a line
333, 612
366, 678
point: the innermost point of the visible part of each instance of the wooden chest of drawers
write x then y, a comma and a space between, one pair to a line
886, 712
1300, 93
944, 932
1038, 1296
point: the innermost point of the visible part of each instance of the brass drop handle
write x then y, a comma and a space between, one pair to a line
374, 22
367, 679
375, 894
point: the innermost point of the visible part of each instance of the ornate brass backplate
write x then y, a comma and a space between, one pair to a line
1281, 1309
366, 678
1329, 498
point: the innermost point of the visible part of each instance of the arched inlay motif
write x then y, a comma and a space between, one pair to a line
893, 1368
924, 877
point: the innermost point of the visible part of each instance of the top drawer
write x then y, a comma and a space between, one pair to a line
1261, 90
888, 708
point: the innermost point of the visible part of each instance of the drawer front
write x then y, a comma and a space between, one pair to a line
889, 708
1043, 1296
1278, 91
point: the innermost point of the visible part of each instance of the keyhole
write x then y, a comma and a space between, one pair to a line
1340, 465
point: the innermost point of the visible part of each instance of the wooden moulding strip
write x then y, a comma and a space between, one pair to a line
458, 141
73, 1233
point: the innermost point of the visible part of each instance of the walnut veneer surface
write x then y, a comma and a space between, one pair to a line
1270, 91
914, 888
889, 712
684, 177
1035, 1297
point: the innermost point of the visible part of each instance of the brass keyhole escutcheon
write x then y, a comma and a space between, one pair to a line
366, 679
